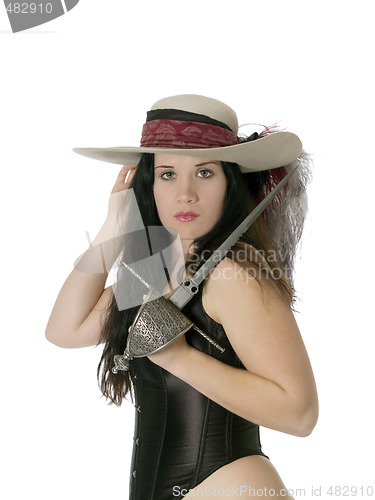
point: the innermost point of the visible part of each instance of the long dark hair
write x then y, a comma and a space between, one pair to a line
276, 232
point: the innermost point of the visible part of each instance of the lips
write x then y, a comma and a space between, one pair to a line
186, 216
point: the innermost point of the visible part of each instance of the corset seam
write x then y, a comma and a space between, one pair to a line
202, 441
229, 451
163, 433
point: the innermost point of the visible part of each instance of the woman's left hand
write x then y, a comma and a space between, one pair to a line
171, 353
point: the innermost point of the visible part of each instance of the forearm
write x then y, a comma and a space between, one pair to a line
85, 284
248, 395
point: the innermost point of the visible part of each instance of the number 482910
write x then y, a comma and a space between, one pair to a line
350, 491
29, 8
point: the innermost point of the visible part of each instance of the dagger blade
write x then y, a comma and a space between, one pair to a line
189, 287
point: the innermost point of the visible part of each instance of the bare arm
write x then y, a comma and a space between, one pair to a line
76, 317
277, 389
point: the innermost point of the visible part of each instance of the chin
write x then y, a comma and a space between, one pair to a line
189, 233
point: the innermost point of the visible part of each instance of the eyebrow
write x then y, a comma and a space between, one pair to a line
197, 166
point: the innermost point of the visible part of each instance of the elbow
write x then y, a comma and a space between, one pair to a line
307, 419
48, 334
56, 338
51, 337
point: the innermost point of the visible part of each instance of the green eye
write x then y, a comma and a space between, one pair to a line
165, 176
206, 173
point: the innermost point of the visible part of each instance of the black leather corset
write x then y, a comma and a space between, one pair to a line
181, 436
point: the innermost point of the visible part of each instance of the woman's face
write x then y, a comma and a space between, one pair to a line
189, 194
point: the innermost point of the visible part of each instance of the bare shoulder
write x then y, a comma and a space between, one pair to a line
230, 286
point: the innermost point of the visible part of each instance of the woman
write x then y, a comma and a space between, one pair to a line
198, 409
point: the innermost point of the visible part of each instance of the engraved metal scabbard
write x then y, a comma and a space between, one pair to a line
157, 324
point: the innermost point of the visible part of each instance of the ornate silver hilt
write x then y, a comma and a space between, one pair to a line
158, 323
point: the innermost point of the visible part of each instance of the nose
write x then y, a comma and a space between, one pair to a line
186, 192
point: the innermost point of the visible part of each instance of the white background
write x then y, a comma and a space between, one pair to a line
87, 79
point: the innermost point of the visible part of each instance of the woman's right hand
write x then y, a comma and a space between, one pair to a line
120, 187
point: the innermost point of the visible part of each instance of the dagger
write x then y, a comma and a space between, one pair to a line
188, 288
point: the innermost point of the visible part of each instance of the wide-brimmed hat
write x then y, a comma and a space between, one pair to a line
194, 125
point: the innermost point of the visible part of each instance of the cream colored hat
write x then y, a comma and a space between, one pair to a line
199, 126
